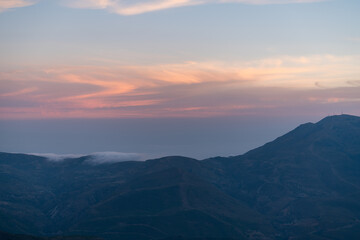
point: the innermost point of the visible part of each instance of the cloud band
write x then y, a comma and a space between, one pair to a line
133, 7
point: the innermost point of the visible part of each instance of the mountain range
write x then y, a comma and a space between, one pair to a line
303, 185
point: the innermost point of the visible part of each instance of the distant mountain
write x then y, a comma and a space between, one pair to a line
303, 185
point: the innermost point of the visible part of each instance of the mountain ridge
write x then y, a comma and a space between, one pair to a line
303, 185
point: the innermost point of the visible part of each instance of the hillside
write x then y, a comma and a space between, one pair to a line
303, 185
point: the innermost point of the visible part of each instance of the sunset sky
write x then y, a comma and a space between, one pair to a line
116, 62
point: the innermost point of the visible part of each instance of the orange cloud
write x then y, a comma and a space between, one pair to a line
8, 4
184, 89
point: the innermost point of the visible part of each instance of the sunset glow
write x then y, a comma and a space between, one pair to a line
185, 89
67, 70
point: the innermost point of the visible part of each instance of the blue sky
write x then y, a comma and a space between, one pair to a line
48, 32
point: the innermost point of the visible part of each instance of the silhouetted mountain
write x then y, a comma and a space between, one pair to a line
303, 185
307, 181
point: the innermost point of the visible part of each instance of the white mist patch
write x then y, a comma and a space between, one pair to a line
57, 157
113, 157
94, 158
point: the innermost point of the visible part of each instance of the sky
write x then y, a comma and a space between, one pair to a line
163, 77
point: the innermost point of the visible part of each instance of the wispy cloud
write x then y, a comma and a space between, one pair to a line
125, 7
130, 7
8, 4
177, 90
19, 92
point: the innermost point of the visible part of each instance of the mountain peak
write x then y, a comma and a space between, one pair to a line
332, 132
339, 118
339, 126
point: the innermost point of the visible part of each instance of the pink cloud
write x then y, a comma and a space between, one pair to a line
19, 92
8, 4
190, 89
143, 6
124, 7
